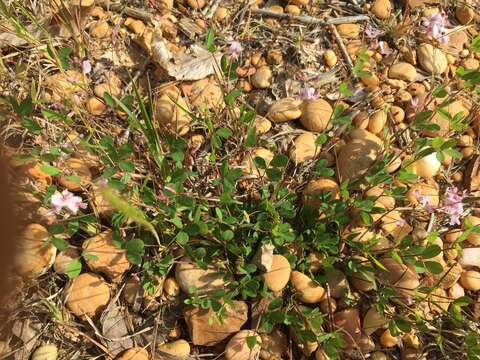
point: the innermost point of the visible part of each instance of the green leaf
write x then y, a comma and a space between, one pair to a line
50, 170
344, 90
135, 250
440, 92
431, 251
32, 125
126, 166
251, 139
74, 178
260, 162
321, 139
276, 303
402, 324
231, 96
463, 301
251, 341
434, 267
476, 44
210, 41
60, 244
74, 268
274, 174
64, 56
127, 210
182, 238
224, 132
279, 160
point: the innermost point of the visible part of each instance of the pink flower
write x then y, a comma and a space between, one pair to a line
424, 200
435, 27
66, 200
86, 66
235, 49
384, 49
307, 93
453, 204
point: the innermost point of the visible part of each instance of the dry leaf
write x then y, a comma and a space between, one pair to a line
28, 331
264, 257
115, 329
194, 66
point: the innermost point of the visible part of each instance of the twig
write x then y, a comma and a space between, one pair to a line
312, 20
130, 11
210, 11
342, 47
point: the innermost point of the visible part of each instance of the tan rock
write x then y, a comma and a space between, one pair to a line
349, 31
87, 295
471, 64
426, 167
135, 353
64, 86
399, 276
188, 274
304, 148
309, 291
208, 333
394, 224
356, 158
317, 187
464, 13
377, 122
45, 352
105, 257
470, 280
171, 111
321, 355
248, 165
285, 110
95, 106
337, 282
293, 9
112, 87
100, 29
196, 4
221, 14
279, 274
262, 78
431, 59
238, 349
274, 345
34, 254
75, 167
453, 109
330, 58
387, 340
137, 26
178, 348
473, 238
373, 321
206, 94
402, 71
82, 3
429, 191
262, 125
132, 290
382, 9
316, 115
349, 321
64, 259
171, 287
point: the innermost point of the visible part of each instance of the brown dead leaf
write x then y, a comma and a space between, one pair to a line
28, 331
196, 65
114, 328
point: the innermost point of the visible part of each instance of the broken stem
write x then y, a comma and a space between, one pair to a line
310, 19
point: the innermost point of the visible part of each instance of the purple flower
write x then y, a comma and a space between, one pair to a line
435, 27
66, 200
307, 93
372, 33
235, 49
453, 204
86, 66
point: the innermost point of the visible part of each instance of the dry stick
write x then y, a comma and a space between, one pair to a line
342, 47
312, 20
130, 11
